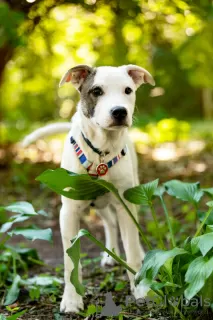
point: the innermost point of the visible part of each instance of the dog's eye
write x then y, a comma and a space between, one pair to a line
97, 91
128, 90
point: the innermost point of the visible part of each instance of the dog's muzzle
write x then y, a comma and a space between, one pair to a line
119, 114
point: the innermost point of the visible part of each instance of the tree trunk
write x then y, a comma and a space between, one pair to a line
207, 98
6, 53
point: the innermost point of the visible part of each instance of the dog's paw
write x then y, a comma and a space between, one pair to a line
71, 303
107, 260
140, 291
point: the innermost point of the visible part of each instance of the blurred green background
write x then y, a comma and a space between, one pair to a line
41, 39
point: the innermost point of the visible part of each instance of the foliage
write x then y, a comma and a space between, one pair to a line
14, 259
184, 269
10, 21
167, 130
41, 40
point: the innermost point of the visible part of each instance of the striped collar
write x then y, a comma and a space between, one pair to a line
96, 150
102, 168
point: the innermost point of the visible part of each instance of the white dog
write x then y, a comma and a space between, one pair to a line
98, 144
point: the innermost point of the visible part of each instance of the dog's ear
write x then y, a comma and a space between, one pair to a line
139, 75
76, 75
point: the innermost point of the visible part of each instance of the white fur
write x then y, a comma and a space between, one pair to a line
113, 81
123, 174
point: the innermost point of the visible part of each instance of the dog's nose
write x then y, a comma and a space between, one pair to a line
119, 113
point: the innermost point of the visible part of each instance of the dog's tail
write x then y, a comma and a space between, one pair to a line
45, 131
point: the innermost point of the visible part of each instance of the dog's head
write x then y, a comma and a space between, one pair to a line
108, 93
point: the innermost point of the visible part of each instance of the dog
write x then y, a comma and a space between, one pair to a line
98, 144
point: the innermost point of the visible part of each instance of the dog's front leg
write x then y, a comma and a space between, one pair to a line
108, 216
131, 242
69, 224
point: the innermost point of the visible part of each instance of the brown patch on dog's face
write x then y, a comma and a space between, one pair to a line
88, 99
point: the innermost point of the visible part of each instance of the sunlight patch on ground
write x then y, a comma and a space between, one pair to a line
50, 150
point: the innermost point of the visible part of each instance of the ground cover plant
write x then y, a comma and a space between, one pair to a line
178, 275
16, 260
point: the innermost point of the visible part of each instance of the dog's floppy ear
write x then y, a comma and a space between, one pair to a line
76, 75
139, 75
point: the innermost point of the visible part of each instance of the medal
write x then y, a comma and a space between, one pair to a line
102, 168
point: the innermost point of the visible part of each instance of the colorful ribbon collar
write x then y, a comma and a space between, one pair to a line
102, 168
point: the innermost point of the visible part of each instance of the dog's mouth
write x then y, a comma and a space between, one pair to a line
117, 125
114, 126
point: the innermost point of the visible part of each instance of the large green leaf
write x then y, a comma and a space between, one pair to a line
203, 243
198, 272
33, 234
142, 194
13, 292
154, 260
83, 187
75, 186
184, 190
74, 253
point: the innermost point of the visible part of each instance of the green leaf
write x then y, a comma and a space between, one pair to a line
142, 194
13, 292
203, 243
75, 186
184, 190
210, 204
83, 187
155, 285
198, 272
43, 213
6, 226
209, 191
91, 309
209, 228
74, 253
17, 315
120, 285
33, 234
154, 260
159, 191
42, 280
34, 293
201, 216
207, 292
21, 207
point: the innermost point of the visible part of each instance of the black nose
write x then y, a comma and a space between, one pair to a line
119, 113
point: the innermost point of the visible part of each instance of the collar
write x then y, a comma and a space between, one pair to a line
102, 168
96, 150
